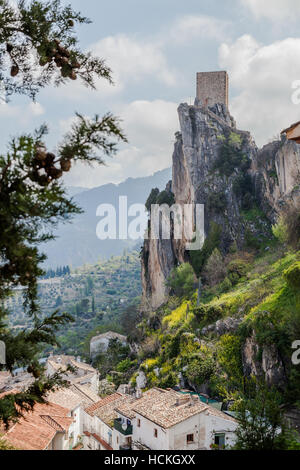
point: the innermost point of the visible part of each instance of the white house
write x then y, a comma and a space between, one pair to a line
99, 426
84, 374
167, 420
100, 343
75, 399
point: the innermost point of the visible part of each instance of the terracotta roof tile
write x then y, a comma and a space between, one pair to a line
37, 428
92, 409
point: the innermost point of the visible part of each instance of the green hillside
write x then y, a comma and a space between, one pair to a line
95, 295
189, 340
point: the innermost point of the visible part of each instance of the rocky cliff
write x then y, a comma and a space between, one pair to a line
217, 165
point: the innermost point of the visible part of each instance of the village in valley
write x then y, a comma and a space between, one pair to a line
77, 418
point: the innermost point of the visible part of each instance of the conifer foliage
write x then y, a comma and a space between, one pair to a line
39, 47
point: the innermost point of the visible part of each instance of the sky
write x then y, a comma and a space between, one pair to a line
155, 50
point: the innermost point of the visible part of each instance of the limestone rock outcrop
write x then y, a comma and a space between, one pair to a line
274, 172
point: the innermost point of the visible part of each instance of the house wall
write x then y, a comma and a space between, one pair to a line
145, 434
101, 345
203, 426
94, 425
119, 439
215, 424
60, 441
76, 428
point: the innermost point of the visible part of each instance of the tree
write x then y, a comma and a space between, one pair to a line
38, 47
261, 422
152, 199
181, 280
287, 229
200, 257
215, 269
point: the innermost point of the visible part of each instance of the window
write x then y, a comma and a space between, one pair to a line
117, 440
190, 438
155, 432
138, 423
220, 440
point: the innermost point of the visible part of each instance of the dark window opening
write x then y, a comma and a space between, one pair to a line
220, 440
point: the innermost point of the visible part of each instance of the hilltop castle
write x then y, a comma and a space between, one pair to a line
212, 88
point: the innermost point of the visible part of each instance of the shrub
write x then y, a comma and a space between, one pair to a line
215, 270
236, 270
165, 197
280, 230
212, 241
287, 230
292, 276
226, 285
125, 365
231, 156
217, 202
169, 381
208, 313
152, 198
200, 370
181, 280
251, 240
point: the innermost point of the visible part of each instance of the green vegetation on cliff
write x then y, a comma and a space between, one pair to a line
260, 302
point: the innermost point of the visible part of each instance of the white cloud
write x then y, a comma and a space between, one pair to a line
274, 9
21, 114
191, 27
131, 61
150, 127
262, 76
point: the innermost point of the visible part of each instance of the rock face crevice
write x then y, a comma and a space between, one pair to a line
274, 171
276, 175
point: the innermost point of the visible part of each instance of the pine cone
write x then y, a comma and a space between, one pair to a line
65, 165
50, 157
66, 70
73, 75
14, 70
43, 61
40, 154
54, 172
43, 180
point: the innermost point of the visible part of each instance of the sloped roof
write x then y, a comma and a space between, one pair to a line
168, 408
126, 407
105, 408
91, 410
37, 428
292, 126
75, 395
109, 335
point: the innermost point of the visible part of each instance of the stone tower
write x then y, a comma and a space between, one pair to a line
212, 88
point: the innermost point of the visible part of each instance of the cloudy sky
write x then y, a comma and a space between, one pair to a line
155, 49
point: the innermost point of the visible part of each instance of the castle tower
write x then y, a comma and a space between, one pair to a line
212, 88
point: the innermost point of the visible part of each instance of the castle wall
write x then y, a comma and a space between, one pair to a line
212, 88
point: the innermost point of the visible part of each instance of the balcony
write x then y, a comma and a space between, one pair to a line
118, 427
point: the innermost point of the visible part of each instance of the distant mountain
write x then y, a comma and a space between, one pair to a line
74, 190
76, 242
